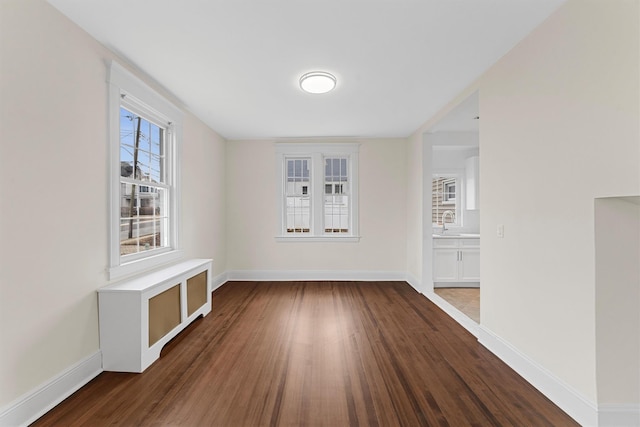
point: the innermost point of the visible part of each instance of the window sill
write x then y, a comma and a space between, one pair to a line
333, 239
144, 264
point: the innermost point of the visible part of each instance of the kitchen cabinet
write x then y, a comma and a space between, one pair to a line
456, 260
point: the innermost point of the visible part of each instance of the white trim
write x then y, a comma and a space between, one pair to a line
290, 275
121, 82
464, 320
610, 415
34, 404
123, 78
335, 239
144, 264
413, 281
564, 396
218, 281
326, 148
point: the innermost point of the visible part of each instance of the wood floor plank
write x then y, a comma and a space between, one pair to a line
316, 354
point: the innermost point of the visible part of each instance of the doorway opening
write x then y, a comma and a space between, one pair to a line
452, 210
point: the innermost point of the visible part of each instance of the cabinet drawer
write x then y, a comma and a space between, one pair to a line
445, 243
469, 243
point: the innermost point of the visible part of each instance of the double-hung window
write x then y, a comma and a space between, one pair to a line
317, 191
144, 137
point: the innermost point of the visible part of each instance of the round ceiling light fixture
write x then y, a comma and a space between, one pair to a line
317, 82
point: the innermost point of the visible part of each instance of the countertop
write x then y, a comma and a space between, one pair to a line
457, 236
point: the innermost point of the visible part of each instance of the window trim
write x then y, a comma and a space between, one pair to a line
146, 101
317, 152
445, 194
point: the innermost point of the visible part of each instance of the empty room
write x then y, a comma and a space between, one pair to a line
329, 213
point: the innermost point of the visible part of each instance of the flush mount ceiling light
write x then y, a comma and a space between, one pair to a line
317, 82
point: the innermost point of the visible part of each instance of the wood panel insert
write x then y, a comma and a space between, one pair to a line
196, 292
164, 313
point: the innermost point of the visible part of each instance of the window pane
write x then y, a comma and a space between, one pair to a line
141, 142
298, 214
336, 204
336, 213
335, 169
298, 192
143, 219
297, 170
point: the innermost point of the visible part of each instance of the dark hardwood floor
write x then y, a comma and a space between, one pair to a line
316, 354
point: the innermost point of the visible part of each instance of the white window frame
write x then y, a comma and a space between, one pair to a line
445, 194
129, 91
317, 152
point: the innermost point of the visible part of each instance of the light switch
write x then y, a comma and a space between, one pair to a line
500, 231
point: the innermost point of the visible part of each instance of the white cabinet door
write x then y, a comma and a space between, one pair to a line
445, 265
470, 265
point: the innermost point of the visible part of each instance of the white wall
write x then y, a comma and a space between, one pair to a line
559, 127
53, 190
204, 193
252, 213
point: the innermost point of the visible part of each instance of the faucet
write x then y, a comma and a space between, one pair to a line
445, 213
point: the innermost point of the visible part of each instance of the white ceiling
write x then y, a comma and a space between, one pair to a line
236, 63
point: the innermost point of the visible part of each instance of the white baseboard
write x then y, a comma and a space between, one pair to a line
619, 415
289, 275
456, 285
454, 313
34, 404
218, 281
413, 281
564, 396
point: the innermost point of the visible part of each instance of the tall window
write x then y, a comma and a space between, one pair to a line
318, 191
145, 132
